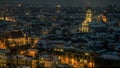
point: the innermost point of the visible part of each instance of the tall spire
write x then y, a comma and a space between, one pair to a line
88, 16
85, 25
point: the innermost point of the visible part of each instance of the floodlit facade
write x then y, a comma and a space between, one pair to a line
15, 38
85, 26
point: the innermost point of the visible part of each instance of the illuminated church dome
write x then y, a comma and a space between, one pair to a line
102, 18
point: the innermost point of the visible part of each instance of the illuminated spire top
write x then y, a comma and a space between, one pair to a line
88, 16
89, 11
19, 5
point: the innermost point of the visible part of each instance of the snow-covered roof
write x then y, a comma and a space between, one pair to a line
4, 51
111, 56
117, 47
100, 51
32, 50
3, 57
23, 67
24, 57
44, 56
96, 23
116, 29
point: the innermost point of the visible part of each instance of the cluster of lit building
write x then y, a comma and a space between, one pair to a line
45, 39
7, 19
89, 19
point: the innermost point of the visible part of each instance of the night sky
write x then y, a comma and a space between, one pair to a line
94, 3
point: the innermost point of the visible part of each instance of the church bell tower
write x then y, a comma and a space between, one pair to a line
88, 16
88, 19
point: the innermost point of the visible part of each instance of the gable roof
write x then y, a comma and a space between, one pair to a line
14, 34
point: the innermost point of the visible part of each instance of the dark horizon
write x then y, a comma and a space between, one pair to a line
82, 3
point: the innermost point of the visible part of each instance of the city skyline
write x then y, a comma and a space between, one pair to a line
35, 35
83, 3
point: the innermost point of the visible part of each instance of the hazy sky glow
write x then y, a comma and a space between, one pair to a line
62, 2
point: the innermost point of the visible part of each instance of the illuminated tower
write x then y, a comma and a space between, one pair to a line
58, 9
85, 27
85, 24
88, 16
4, 16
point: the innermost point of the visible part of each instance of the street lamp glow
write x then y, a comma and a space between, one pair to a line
55, 49
19, 5
27, 13
85, 61
42, 58
91, 64
81, 60
58, 6
61, 50
86, 54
